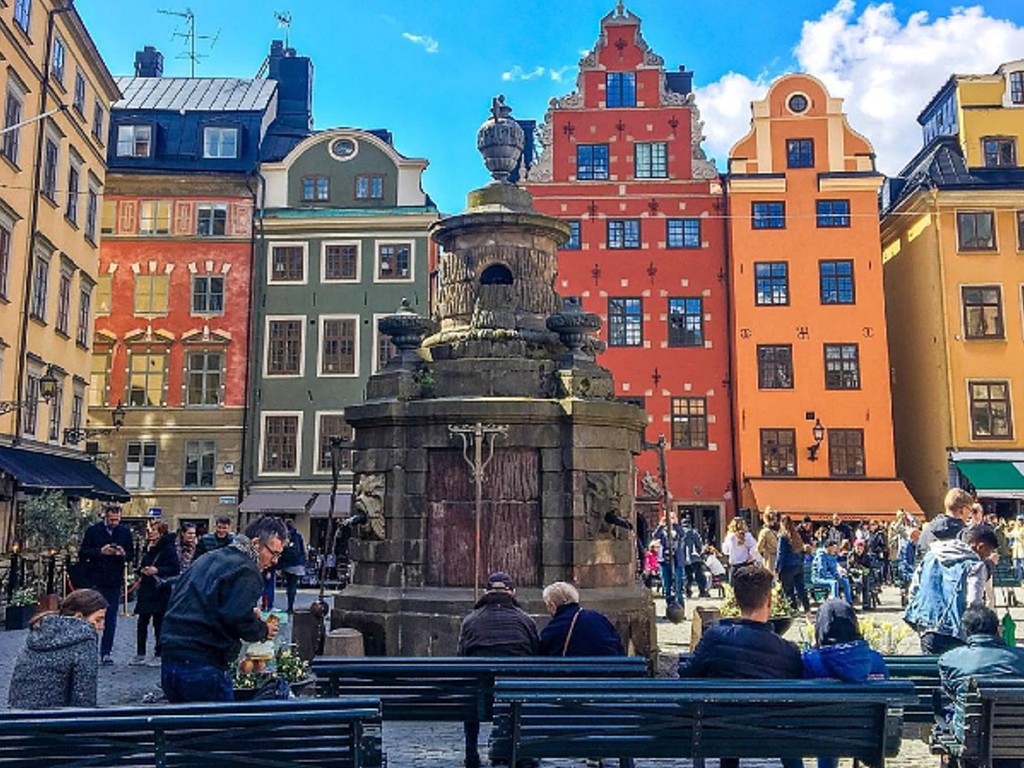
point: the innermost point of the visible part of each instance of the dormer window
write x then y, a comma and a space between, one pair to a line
134, 141
220, 142
1017, 87
999, 152
620, 89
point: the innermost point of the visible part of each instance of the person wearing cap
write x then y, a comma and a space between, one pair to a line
951, 578
497, 626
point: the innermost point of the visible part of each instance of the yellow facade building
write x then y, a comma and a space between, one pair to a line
953, 253
56, 104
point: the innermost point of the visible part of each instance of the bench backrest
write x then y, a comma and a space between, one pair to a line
342, 733
994, 720
665, 718
453, 689
923, 673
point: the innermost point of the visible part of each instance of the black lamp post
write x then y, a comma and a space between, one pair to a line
75, 435
673, 609
47, 391
818, 432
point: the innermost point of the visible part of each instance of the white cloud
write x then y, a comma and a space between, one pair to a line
518, 73
886, 70
430, 45
558, 74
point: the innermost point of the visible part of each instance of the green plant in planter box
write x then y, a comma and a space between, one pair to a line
23, 596
50, 523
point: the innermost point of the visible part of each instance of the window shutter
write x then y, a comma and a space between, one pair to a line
183, 217
240, 219
128, 219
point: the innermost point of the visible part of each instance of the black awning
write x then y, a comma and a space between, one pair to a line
36, 472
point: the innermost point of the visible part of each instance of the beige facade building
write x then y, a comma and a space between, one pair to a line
56, 100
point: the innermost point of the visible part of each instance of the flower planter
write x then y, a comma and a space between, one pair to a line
17, 616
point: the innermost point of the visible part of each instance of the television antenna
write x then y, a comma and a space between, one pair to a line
284, 21
190, 37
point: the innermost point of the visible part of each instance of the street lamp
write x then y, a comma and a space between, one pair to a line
47, 392
673, 610
75, 435
818, 433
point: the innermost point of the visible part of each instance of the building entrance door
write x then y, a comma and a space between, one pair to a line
705, 519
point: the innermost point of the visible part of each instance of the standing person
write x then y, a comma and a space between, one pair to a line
58, 667
269, 587
293, 563
691, 547
212, 608
186, 545
768, 538
956, 507
951, 578
747, 647
106, 547
790, 564
907, 558
668, 536
497, 626
984, 656
840, 653
159, 561
739, 545
1017, 548
825, 570
574, 630
220, 537
806, 530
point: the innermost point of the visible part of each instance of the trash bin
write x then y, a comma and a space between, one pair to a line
344, 641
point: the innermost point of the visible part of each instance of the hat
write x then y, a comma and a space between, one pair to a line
500, 581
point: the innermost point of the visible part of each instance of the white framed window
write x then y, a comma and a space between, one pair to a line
140, 465
79, 95
338, 352
132, 140
288, 263
56, 414
383, 349
147, 376
155, 217
220, 142
280, 442
57, 60
211, 219
284, 344
51, 164
208, 295
328, 425
151, 295
99, 117
30, 412
23, 14
92, 207
204, 378
395, 261
77, 406
99, 378
340, 262
200, 464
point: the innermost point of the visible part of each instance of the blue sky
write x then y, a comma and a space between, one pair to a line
427, 71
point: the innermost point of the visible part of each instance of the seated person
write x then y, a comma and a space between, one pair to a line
825, 570
985, 656
747, 647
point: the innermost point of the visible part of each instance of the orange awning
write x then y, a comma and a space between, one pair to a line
853, 499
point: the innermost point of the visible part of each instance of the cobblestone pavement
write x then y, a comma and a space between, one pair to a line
439, 745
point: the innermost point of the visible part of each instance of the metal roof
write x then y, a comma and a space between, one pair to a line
195, 94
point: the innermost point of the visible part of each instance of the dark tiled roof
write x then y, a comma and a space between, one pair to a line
195, 94
941, 165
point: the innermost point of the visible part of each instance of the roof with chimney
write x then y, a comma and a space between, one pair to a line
195, 94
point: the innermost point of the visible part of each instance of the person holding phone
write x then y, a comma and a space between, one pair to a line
106, 546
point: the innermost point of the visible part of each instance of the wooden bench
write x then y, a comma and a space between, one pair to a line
993, 726
923, 674
333, 733
697, 719
453, 689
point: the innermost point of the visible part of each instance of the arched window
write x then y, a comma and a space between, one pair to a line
496, 274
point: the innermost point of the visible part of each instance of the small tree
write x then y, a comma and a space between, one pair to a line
50, 523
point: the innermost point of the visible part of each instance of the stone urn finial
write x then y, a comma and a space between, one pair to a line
500, 141
407, 330
574, 326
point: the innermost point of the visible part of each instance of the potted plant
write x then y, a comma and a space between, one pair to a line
782, 613
256, 678
20, 608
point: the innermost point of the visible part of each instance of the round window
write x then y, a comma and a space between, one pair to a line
343, 148
798, 103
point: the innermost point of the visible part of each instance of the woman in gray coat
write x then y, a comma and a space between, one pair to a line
58, 665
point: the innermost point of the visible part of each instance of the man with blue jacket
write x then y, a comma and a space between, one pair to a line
825, 570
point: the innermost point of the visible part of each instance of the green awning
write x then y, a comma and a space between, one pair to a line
993, 476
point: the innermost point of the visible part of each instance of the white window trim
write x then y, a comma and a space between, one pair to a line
263, 444
238, 135
411, 242
316, 440
266, 347
359, 261
134, 127
1009, 400
1007, 101
305, 261
374, 368
320, 347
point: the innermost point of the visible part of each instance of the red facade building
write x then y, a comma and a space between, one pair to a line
622, 163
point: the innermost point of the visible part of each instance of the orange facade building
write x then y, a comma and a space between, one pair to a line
622, 164
810, 361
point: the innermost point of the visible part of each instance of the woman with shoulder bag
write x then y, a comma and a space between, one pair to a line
159, 563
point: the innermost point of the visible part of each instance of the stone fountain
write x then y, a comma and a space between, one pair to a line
492, 441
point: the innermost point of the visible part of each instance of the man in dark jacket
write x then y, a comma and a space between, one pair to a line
212, 607
574, 631
106, 546
985, 656
747, 647
293, 563
220, 537
497, 626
